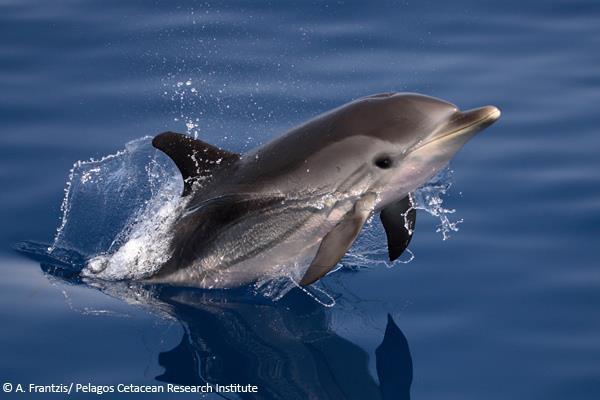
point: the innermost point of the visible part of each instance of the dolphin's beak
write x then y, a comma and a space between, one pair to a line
465, 122
477, 119
463, 125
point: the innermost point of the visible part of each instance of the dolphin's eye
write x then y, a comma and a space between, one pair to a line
383, 162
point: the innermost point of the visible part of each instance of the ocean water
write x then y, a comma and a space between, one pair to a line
506, 307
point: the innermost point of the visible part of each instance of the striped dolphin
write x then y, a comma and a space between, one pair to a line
294, 206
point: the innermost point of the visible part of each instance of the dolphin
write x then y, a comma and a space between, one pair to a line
293, 206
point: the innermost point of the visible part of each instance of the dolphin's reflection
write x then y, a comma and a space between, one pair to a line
286, 348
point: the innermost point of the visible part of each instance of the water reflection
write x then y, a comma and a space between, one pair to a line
286, 348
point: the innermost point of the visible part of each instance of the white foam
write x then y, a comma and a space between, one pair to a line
146, 247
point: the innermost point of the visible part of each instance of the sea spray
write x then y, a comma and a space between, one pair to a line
113, 204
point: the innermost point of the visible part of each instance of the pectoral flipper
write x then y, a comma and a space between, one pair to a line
399, 223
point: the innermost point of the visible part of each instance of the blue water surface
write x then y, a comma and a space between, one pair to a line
507, 308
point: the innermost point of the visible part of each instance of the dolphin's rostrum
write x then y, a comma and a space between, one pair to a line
295, 205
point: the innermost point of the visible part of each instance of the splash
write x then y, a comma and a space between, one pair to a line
429, 198
186, 96
190, 96
276, 288
118, 210
145, 245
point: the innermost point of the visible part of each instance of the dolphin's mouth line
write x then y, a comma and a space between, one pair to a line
492, 115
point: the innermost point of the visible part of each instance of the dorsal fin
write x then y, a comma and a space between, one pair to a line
193, 157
